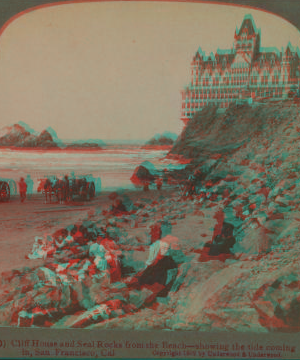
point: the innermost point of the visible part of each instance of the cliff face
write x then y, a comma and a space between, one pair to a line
254, 152
210, 133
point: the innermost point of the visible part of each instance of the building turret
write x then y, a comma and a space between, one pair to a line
287, 57
247, 39
197, 67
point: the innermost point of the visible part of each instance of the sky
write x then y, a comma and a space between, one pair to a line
114, 70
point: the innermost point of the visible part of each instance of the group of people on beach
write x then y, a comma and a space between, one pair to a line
89, 263
64, 188
67, 244
103, 254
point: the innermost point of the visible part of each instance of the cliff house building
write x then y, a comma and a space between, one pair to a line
246, 71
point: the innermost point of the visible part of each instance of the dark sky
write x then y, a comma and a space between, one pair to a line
288, 9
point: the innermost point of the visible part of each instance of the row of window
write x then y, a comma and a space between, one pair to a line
213, 92
215, 97
230, 97
277, 93
242, 80
222, 104
233, 71
190, 113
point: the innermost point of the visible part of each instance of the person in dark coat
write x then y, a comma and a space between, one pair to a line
222, 243
66, 195
160, 269
22, 189
118, 208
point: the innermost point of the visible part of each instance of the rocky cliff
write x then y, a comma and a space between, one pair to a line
253, 152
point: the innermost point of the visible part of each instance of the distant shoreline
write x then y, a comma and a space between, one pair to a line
85, 149
157, 147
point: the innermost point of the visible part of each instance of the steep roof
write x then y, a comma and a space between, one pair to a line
249, 25
269, 59
228, 57
241, 58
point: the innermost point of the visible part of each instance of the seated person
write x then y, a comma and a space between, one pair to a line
79, 234
42, 247
59, 238
160, 262
63, 239
112, 254
160, 269
118, 208
98, 252
222, 243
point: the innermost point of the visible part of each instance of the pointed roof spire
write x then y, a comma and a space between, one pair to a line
201, 52
248, 25
289, 48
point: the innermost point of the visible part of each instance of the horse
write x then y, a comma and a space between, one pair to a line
59, 189
45, 187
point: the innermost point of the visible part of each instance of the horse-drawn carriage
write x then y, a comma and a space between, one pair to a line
4, 191
67, 189
82, 187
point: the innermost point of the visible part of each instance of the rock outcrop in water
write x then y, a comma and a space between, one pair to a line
18, 137
22, 136
84, 146
164, 139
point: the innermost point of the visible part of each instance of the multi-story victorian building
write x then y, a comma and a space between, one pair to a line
245, 72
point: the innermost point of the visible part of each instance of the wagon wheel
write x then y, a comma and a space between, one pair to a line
12, 187
4, 192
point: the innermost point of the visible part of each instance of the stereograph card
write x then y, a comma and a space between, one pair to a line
149, 179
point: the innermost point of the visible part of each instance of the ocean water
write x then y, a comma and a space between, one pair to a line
113, 166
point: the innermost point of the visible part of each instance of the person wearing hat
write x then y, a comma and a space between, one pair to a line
160, 269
